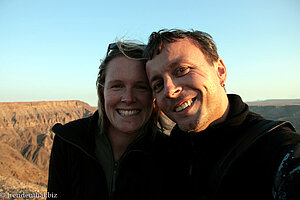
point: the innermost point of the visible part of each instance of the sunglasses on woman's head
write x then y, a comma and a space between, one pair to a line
114, 46
111, 46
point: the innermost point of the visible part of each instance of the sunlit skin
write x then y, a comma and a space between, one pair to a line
127, 96
187, 88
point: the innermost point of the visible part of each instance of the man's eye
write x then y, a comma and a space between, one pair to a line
181, 71
157, 86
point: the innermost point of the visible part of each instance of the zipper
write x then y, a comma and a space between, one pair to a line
116, 167
114, 177
118, 163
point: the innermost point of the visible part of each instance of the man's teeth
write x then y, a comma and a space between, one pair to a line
128, 112
184, 105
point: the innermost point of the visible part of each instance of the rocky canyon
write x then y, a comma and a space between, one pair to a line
26, 140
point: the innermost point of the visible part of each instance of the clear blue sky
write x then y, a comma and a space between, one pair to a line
51, 49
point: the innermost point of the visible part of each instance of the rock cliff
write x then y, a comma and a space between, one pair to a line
280, 112
26, 137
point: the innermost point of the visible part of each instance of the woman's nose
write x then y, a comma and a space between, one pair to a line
128, 96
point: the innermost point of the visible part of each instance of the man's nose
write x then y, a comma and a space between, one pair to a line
172, 90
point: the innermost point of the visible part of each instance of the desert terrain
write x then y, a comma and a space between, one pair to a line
26, 141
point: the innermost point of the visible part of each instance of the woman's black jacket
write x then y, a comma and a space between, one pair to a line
74, 172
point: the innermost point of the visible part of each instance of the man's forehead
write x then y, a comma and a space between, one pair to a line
158, 61
180, 42
180, 47
175, 50
170, 46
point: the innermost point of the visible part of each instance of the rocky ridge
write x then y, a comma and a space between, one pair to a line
26, 138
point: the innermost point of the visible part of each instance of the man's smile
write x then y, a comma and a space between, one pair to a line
184, 105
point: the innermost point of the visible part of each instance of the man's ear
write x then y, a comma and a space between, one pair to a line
221, 70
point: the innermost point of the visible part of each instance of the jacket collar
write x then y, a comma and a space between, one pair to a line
80, 132
238, 112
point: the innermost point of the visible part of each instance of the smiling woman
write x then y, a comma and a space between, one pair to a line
127, 96
118, 153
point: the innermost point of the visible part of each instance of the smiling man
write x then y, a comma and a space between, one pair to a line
189, 88
223, 149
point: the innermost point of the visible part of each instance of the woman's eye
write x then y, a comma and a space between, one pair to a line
116, 86
181, 71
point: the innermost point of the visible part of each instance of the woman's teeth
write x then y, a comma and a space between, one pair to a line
184, 105
128, 112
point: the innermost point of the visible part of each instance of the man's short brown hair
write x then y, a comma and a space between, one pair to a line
202, 40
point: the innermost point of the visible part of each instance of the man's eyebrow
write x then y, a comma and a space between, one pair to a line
154, 78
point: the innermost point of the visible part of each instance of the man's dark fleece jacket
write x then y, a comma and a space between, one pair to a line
252, 176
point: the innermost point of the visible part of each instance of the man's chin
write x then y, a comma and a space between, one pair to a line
189, 128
